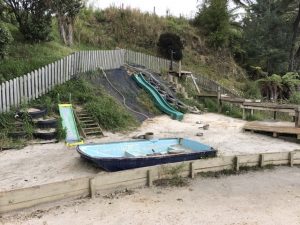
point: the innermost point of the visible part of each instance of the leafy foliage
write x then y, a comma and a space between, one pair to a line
213, 17
33, 17
5, 40
170, 43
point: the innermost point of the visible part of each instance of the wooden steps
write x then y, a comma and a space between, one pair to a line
88, 125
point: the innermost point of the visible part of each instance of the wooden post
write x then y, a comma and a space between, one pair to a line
275, 115
297, 117
262, 160
192, 172
291, 157
92, 188
244, 113
219, 100
149, 178
237, 163
252, 112
179, 69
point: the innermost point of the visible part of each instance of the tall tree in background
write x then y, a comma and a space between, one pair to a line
267, 35
295, 47
214, 19
66, 12
33, 17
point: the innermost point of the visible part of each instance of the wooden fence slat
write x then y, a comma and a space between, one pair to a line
11, 92
15, 92
29, 91
21, 87
8, 103
1, 99
25, 88
36, 82
4, 97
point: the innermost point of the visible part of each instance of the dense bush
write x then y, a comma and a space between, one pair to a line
170, 42
34, 18
295, 98
5, 40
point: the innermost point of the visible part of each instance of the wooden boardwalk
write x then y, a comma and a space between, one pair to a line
274, 129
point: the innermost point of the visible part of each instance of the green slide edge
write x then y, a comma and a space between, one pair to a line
72, 119
160, 102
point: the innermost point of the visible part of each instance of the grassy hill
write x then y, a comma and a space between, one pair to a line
122, 28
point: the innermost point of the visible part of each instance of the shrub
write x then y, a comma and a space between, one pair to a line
170, 42
5, 40
295, 98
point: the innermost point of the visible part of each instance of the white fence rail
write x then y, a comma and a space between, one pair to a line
39, 82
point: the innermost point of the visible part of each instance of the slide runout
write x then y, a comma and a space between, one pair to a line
68, 121
161, 103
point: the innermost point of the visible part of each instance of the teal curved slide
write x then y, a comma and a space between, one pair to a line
160, 102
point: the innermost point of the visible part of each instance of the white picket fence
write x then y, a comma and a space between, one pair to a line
39, 82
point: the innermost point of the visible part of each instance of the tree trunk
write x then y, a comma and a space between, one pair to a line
70, 34
61, 26
295, 34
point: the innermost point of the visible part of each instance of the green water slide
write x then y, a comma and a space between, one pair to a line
160, 102
69, 123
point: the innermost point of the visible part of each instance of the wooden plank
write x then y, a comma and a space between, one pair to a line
1, 99
214, 169
249, 160
40, 91
56, 71
26, 88
18, 91
29, 86
257, 126
214, 162
11, 93
43, 191
297, 154
21, 87
15, 92
36, 82
276, 156
7, 93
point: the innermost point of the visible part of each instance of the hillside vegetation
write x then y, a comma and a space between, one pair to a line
121, 28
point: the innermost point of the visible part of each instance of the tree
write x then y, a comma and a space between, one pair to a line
5, 40
276, 86
267, 35
170, 43
294, 47
33, 17
213, 17
66, 12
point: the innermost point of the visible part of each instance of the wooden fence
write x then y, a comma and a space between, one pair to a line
108, 182
39, 82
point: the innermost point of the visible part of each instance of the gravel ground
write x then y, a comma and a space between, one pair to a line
40, 164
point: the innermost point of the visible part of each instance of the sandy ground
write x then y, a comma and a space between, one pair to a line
39, 164
270, 197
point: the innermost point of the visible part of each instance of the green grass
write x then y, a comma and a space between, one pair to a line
109, 113
145, 100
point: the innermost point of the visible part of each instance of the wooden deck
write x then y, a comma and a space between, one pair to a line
275, 129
